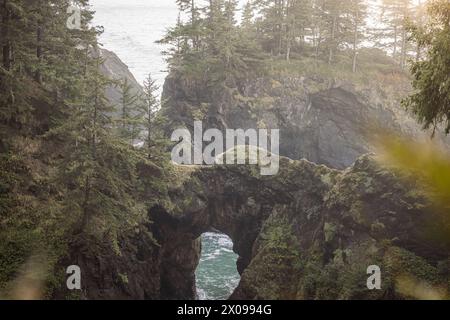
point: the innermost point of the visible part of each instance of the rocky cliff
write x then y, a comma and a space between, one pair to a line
325, 115
308, 233
312, 231
115, 69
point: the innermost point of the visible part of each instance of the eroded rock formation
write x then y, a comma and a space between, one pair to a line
324, 119
308, 233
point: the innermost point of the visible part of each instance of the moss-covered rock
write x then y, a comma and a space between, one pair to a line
311, 232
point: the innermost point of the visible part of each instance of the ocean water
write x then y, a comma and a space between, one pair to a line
131, 29
217, 275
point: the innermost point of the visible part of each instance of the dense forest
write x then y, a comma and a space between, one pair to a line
211, 46
325, 30
77, 169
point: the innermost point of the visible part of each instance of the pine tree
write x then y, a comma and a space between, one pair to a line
185, 40
247, 16
128, 128
298, 21
273, 24
358, 14
393, 36
420, 13
96, 166
431, 100
335, 25
148, 110
231, 52
192, 29
36, 44
13, 42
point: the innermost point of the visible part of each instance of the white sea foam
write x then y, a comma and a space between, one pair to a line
131, 29
217, 276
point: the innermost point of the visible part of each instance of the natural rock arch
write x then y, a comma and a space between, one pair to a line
308, 223
214, 199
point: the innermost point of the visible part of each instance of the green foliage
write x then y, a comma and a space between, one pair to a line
393, 36
431, 99
130, 118
30, 223
210, 49
69, 169
432, 167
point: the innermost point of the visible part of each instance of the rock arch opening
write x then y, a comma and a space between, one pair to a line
208, 199
216, 275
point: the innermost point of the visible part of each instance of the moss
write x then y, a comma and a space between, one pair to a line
123, 278
199, 114
357, 212
278, 262
115, 246
74, 295
399, 262
329, 230
377, 228
328, 179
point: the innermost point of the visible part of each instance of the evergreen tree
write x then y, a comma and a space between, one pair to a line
298, 21
15, 108
431, 101
128, 128
420, 13
148, 110
358, 14
192, 29
393, 36
335, 23
273, 23
247, 16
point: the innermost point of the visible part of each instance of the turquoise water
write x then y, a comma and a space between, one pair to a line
217, 276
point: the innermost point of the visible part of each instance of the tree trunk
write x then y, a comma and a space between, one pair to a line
149, 132
289, 41
95, 114
288, 51
394, 54
355, 43
193, 21
403, 56
39, 34
39, 41
87, 195
280, 26
418, 52
319, 40
333, 36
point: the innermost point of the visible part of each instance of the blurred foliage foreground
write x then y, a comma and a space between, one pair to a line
430, 165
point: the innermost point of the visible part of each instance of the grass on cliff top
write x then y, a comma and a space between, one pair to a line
374, 67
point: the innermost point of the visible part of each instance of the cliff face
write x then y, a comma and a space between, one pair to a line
311, 232
131, 270
308, 233
115, 69
324, 116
